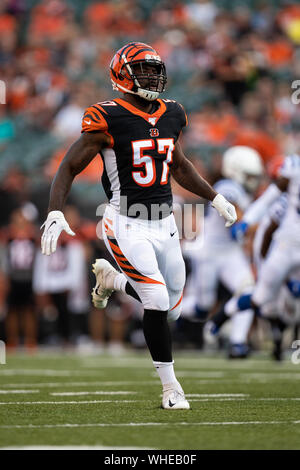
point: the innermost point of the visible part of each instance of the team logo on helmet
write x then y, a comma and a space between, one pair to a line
137, 68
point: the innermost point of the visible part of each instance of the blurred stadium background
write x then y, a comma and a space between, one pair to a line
230, 63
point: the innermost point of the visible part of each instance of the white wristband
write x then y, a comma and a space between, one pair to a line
219, 202
56, 215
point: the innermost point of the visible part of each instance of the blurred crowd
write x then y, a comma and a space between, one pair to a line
230, 63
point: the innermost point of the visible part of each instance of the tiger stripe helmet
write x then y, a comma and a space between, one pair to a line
138, 69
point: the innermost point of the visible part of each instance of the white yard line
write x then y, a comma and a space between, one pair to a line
249, 376
246, 398
217, 399
189, 361
6, 392
224, 364
215, 395
100, 392
192, 360
84, 384
110, 383
86, 402
117, 363
276, 399
47, 372
198, 374
271, 375
105, 425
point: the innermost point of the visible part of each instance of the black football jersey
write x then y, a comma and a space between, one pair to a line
137, 165
20, 258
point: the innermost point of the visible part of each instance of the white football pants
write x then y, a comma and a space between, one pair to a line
148, 253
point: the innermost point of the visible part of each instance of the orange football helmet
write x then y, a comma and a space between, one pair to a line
137, 68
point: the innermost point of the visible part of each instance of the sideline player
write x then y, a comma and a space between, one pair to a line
139, 229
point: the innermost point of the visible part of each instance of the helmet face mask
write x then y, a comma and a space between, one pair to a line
138, 69
149, 75
251, 182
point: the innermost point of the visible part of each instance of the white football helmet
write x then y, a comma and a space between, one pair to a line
244, 165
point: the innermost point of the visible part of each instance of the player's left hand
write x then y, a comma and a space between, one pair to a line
239, 230
225, 208
53, 227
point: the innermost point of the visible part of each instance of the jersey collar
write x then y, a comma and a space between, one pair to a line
150, 118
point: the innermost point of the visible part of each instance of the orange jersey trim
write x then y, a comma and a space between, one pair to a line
160, 111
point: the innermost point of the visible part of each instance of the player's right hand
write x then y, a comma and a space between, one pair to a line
225, 208
53, 227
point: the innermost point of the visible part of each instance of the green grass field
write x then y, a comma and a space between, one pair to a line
114, 402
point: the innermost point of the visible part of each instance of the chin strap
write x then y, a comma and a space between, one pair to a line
147, 95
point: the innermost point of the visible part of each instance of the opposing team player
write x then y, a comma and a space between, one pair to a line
221, 258
283, 310
142, 133
284, 257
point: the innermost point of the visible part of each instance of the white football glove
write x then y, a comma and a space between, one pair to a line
225, 208
53, 227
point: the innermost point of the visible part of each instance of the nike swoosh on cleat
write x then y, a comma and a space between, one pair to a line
172, 234
171, 404
88, 121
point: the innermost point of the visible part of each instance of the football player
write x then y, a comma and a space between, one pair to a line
283, 310
221, 258
285, 254
19, 241
141, 132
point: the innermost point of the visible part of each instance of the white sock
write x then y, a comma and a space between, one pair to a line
166, 374
241, 323
120, 282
